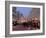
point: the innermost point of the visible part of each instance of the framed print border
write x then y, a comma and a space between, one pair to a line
7, 18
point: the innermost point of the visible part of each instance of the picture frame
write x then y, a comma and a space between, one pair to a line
8, 18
